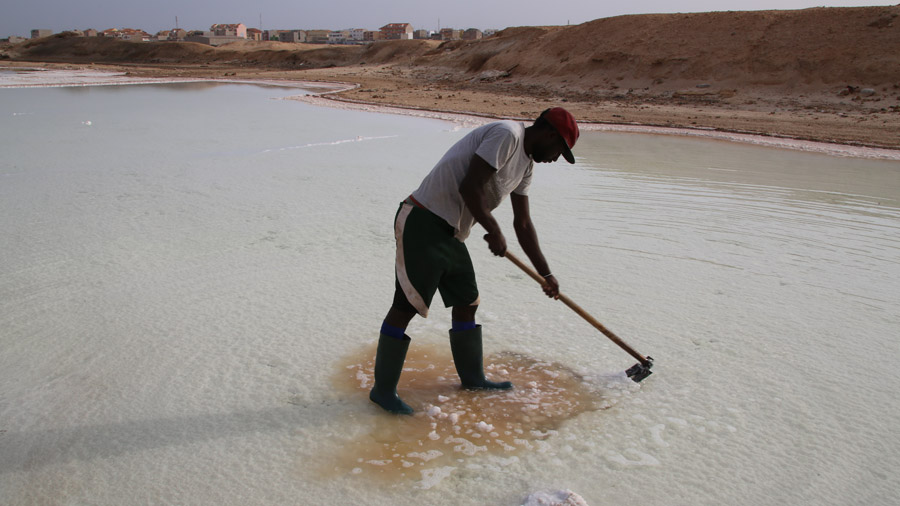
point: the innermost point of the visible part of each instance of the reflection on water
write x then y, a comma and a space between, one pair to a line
451, 425
799, 217
703, 161
165, 87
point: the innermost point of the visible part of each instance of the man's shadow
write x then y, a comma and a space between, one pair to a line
30, 450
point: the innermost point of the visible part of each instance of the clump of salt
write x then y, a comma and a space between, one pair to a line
484, 427
554, 498
434, 411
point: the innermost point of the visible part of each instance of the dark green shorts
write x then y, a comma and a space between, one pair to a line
430, 258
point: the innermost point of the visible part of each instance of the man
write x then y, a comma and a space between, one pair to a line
473, 177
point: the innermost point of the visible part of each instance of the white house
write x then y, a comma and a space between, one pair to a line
225, 30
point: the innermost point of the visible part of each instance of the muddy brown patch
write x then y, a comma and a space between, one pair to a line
451, 425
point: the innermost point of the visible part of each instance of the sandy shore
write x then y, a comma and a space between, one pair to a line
771, 121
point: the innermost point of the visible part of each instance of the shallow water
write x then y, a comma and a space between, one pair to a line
454, 424
188, 270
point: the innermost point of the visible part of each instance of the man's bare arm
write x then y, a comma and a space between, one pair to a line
472, 191
528, 239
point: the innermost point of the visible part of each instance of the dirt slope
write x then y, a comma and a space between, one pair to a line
793, 49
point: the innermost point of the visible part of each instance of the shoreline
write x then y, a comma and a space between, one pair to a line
330, 96
91, 77
768, 141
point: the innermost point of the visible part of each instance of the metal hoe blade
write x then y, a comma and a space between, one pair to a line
638, 372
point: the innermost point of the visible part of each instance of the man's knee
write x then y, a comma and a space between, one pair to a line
399, 318
464, 313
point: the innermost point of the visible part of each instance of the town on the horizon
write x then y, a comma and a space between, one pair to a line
224, 33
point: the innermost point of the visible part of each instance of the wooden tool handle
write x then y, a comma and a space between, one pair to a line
581, 312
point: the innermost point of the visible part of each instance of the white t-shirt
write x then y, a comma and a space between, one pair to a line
501, 145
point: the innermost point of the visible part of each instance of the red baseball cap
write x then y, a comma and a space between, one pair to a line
564, 123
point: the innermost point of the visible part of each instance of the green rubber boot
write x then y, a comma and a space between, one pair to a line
388, 366
469, 360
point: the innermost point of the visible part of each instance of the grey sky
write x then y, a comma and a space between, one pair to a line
19, 17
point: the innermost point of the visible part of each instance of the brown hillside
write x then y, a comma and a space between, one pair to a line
792, 49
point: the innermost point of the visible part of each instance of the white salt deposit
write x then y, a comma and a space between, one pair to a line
425, 456
554, 498
432, 477
38, 78
42, 78
174, 301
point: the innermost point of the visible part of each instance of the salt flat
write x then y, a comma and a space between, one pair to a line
188, 270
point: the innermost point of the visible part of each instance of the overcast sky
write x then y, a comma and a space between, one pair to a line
19, 17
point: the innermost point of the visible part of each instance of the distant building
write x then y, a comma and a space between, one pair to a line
472, 34
90, 32
15, 39
177, 34
397, 31
295, 36
169, 35
135, 35
130, 34
317, 36
201, 38
338, 36
490, 32
219, 34
357, 34
450, 34
254, 34
210, 38
421, 35
225, 30
371, 35
37, 34
124, 34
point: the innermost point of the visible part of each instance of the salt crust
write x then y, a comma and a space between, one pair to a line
40, 78
431, 477
554, 498
682, 405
